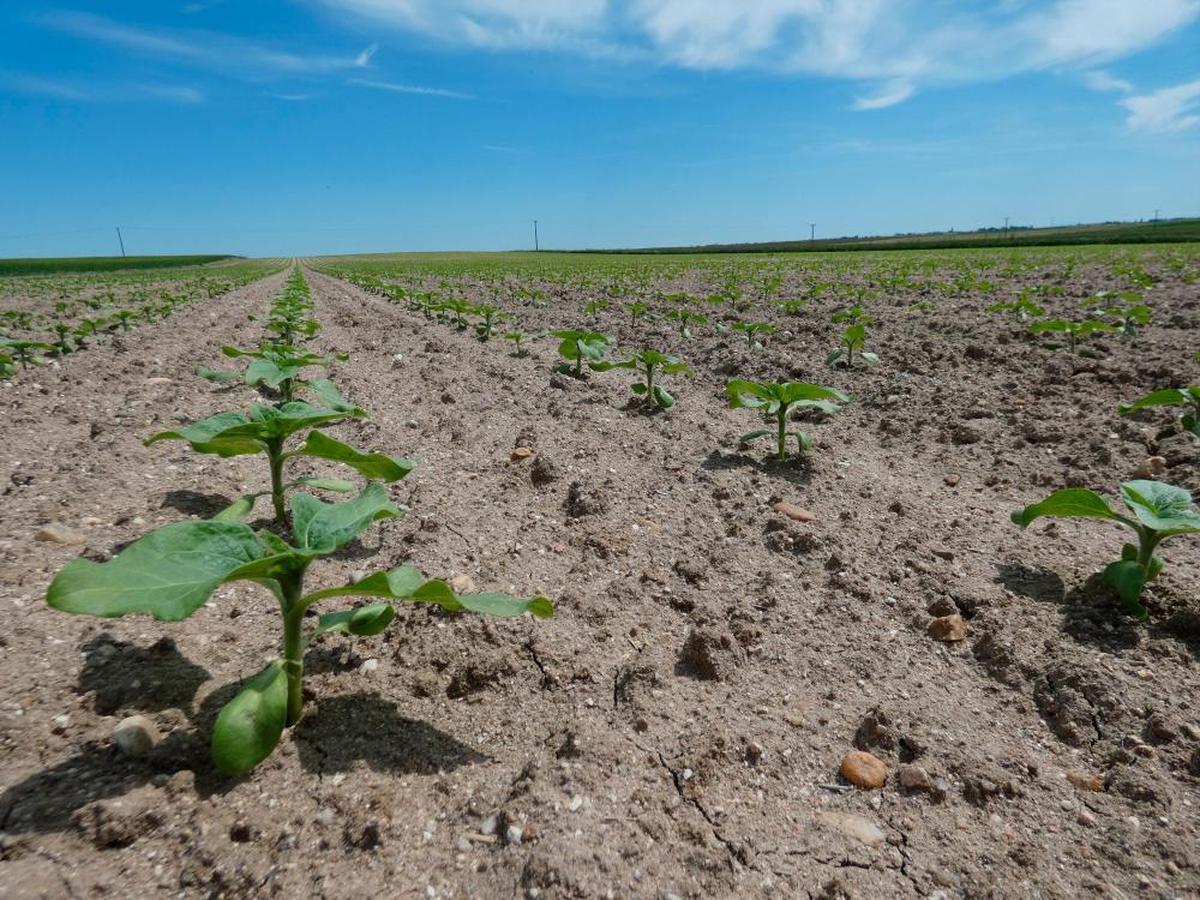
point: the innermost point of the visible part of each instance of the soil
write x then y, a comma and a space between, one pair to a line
679, 728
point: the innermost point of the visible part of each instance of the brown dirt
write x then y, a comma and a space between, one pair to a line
678, 728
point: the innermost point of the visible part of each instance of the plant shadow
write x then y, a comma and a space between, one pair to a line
367, 728
794, 470
1091, 612
47, 801
122, 675
194, 503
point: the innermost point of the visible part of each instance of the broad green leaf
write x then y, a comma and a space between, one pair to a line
407, 583
217, 376
337, 485
1067, 503
238, 510
1165, 397
747, 394
330, 397
1128, 580
662, 398
169, 573
1165, 508
753, 435
324, 527
801, 392
250, 725
363, 622
869, 357
370, 465
264, 371
214, 435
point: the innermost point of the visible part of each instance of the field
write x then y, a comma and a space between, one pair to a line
729, 626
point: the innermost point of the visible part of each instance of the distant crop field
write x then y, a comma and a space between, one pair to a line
102, 263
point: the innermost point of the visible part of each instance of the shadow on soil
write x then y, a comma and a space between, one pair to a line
790, 470
1091, 613
341, 731
194, 503
124, 677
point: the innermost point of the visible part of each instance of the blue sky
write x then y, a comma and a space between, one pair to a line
295, 127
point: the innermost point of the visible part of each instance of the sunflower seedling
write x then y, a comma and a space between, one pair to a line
1188, 398
275, 366
650, 363
686, 319
491, 316
578, 347
267, 429
27, 353
755, 332
1022, 308
779, 400
1074, 332
1160, 511
173, 571
853, 339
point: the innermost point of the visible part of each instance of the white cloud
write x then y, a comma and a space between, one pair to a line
1165, 111
408, 88
1099, 80
896, 92
203, 49
899, 45
62, 89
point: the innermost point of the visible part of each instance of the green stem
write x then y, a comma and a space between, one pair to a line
1148, 541
275, 455
293, 643
783, 411
650, 383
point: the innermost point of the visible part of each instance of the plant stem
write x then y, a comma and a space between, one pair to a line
650, 383
783, 411
293, 643
1148, 541
275, 455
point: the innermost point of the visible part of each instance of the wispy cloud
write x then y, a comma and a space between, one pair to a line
505, 148
1166, 111
90, 92
896, 92
409, 89
1099, 80
209, 50
899, 46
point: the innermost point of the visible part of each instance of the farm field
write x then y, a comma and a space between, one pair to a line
728, 626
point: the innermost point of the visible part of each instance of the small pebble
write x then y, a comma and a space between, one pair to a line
135, 736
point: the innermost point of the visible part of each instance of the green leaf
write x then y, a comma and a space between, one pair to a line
250, 725
324, 527
662, 398
1128, 580
639, 389
1165, 397
407, 583
238, 510
337, 485
169, 573
217, 376
329, 396
264, 371
363, 622
213, 435
752, 435
1165, 508
744, 394
370, 465
1067, 503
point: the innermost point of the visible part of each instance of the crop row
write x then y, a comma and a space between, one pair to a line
172, 571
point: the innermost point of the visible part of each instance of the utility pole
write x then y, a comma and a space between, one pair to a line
536, 246
812, 231
1006, 226
1155, 220
121, 240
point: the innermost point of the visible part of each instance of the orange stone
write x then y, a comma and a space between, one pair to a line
864, 770
792, 511
948, 629
522, 453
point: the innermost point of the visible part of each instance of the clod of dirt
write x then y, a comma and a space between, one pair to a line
120, 822
1154, 467
948, 629
857, 827
876, 730
135, 736
478, 676
1178, 450
58, 533
864, 770
914, 779
544, 471
710, 654
583, 500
